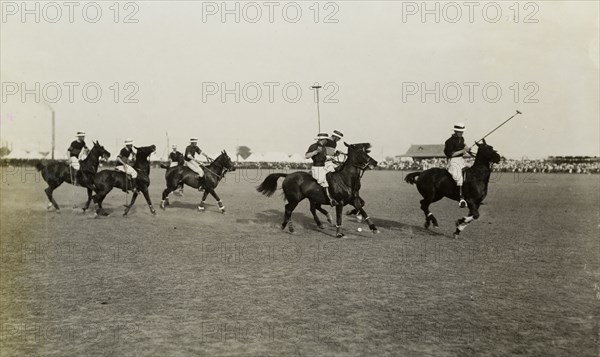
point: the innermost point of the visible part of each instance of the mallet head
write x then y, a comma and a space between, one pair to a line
518, 112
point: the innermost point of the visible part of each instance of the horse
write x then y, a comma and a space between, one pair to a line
436, 183
56, 173
344, 187
213, 173
106, 180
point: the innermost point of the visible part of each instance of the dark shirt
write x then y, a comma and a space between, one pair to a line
76, 147
454, 144
192, 151
330, 146
127, 153
318, 159
176, 157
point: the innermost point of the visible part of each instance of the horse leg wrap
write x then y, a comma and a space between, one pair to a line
201, 206
221, 205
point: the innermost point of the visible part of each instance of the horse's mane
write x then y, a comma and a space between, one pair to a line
355, 147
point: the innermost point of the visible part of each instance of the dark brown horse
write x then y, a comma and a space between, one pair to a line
56, 173
213, 173
106, 180
435, 184
344, 188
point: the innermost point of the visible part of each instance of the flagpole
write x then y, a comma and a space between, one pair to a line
316, 87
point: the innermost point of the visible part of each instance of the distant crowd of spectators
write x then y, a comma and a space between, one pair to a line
508, 165
588, 166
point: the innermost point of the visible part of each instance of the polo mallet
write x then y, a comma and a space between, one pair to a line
498, 127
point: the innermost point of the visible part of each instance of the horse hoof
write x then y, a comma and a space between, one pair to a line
426, 225
201, 209
223, 211
455, 236
376, 231
359, 218
58, 211
340, 235
321, 226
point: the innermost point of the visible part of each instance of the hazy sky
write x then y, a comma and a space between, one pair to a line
378, 58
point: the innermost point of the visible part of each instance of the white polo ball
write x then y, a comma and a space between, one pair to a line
359, 229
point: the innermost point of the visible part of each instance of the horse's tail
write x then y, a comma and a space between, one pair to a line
412, 177
269, 185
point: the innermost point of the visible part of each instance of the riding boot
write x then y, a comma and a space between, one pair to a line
461, 203
200, 183
331, 200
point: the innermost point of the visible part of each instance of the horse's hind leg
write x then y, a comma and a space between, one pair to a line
289, 208
313, 210
429, 217
325, 212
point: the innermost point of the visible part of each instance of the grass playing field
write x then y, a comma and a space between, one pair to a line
523, 279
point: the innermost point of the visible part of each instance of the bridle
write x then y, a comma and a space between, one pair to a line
224, 169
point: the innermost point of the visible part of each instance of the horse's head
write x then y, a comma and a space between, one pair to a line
99, 151
225, 162
486, 153
144, 152
358, 155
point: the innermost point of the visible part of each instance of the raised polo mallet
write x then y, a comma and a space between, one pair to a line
498, 127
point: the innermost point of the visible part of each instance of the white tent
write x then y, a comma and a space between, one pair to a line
255, 157
297, 158
275, 157
17, 154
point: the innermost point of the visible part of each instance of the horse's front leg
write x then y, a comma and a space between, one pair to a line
201, 207
89, 200
219, 202
338, 220
462, 223
367, 219
133, 198
148, 200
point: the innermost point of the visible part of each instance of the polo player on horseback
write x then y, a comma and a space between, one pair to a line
331, 152
77, 151
318, 153
125, 161
455, 148
175, 157
195, 164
